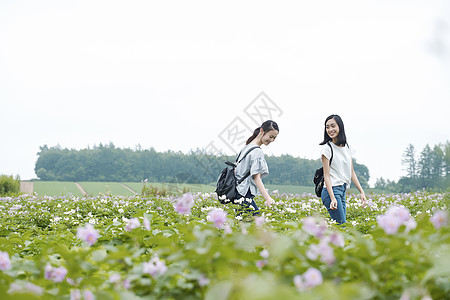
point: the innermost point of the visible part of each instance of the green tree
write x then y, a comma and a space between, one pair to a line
409, 162
446, 184
380, 183
425, 167
363, 174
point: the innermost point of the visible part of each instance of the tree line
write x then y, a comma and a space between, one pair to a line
428, 170
109, 163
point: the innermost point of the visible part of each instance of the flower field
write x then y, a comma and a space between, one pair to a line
192, 247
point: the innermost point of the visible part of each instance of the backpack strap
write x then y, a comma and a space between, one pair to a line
331, 159
250, 150
237, 162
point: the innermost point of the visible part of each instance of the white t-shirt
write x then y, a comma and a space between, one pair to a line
341, 166
254, 162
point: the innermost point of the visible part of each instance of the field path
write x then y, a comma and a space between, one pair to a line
81, 188
128, 188
27, 187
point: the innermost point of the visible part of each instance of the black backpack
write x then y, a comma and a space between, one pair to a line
318, 176
227, 182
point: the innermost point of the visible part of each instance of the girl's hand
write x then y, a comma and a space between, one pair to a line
269, 202
333, 204
363, 199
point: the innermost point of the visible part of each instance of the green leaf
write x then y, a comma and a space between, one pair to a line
219, 291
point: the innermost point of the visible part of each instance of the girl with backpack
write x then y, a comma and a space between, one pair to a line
340, 173
256, 164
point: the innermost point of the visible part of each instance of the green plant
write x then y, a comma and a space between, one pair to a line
9, 186
144, 249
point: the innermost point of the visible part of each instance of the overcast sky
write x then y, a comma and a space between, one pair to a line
182, 75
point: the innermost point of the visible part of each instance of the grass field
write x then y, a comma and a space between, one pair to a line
58, 188
105, 188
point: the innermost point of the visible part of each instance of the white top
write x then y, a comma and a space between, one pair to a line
256, 163
341, 166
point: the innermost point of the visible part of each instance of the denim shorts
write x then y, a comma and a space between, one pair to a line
339, 193
246, 207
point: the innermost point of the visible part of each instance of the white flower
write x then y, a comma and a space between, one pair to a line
264, 253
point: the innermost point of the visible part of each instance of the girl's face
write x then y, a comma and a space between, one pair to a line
269, 136
332, 129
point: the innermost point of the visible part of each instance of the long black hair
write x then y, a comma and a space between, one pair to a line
266, 127
341, 138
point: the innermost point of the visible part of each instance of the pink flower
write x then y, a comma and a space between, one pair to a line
126, 284
5, 262
218, 217
114, 278
228, 229
55, 274
298, 282
203, 280
261, 263
394, 218
312, 226
410, 224
155, 267
401, 213
75, 294
147, 224
133, 223
88, 295
323, 250
337, 239
184, 204
439, 219
389, 223
259, 221
313, 252
312, 277
88, 234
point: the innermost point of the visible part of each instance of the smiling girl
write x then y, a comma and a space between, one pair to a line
340, 173
255, 162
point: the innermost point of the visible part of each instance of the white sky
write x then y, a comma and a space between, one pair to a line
175, 74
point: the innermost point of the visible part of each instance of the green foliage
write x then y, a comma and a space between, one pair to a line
431, 170
152, 191
9, 186
155, 191
204, 262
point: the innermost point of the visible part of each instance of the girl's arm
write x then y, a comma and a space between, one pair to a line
326, 178
359, 187
262, 189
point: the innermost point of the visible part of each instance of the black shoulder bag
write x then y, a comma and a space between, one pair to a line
318, 176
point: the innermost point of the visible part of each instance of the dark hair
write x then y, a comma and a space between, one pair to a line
341, 138
266, 127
